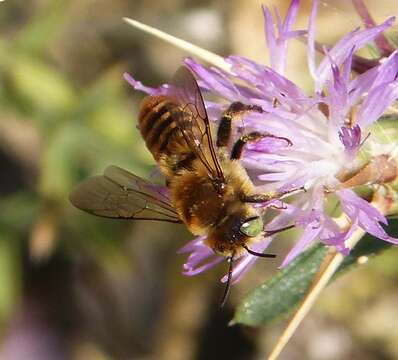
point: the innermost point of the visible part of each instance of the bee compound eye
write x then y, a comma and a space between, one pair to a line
252, 227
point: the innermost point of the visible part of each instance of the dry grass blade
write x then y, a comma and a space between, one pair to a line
192, 49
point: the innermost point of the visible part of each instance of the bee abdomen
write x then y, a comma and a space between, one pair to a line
157, 124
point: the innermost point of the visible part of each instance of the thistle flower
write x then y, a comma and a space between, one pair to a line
329, 131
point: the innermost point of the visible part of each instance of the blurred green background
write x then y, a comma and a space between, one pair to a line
73, 286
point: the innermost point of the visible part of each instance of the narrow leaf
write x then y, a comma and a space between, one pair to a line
279, 296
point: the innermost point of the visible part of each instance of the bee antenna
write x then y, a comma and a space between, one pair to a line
228, 284
273, 232
255, 253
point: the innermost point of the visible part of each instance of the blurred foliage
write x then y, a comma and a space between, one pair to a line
54, 132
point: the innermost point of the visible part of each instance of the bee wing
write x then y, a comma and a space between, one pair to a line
193, 121
122, 195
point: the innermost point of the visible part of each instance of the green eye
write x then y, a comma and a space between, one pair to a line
252, 227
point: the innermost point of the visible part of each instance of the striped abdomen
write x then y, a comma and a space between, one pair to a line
162, 135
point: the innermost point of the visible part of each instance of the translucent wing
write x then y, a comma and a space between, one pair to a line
193, 121
122, 195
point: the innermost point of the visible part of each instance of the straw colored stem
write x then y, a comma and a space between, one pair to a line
192, 49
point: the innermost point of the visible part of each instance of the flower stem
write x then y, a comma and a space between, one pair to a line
192, 49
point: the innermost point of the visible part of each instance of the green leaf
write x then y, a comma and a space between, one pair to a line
18, 211
73, 148
10, 276
41, 86
279, 296
281, 293
42, 28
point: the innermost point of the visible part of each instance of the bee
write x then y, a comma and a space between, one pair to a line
208, 189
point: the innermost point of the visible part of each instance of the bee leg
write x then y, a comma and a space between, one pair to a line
254, 136
261, 198
234, 110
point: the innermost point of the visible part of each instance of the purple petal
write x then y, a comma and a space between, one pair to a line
332, 235
196, 243
291, 16
311, 39
277, 45
215, 81
294, 34
381, 41
362, 84
376, 103
350, 138
374, 228
161, 90
352, 201
201, 258
309, 235
192, 271
271, 84
355, 39
269, 32
367, 216
337, 98
385, 72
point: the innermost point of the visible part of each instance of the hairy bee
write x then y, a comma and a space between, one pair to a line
209, 190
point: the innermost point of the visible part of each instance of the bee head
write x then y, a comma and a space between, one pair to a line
234, 232
252, 226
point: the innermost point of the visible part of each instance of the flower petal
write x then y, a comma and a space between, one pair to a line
277, 45
161, 90
353, 202
353, 40
381, 41
311, 40
214, 80
367, 216
385, 72
309, 235
376, 103
350, 138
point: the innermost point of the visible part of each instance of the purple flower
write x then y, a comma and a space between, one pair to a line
202, 258
328, 130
